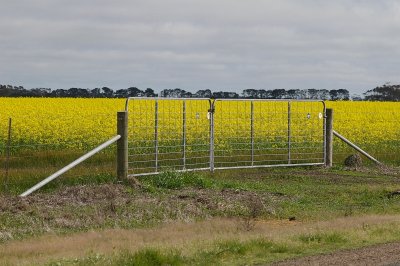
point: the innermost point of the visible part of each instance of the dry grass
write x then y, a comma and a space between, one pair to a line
185, 237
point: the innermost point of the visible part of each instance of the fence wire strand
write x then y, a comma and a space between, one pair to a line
179, 134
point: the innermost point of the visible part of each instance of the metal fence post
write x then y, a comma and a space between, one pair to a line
122, 145
211, 115
184, 134
156, 135
329, 138
252, 132
289, 131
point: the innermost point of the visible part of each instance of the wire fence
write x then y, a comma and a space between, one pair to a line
43, 143
176, 135
262, 133
26, 168
168, 134
189, 134
373, 126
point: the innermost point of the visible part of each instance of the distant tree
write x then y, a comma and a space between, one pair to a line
107, 92
333, 94
40, 92
340, 94
344, 94
5, 90
135, 92
175, 93
78, 93
386, 92
59, 93
250, 94
149, 93
312, 94
293, 94
323, 94
165, 93
264, 94
96, 93
356, 97
203, 94
122, 93
278, 93
225, 95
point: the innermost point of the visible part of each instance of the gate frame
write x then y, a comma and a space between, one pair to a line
156, 99
211, 112
289, 101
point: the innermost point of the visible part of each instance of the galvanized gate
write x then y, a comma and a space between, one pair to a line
205, 134
264, 133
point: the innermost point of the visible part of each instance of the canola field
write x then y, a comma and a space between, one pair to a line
81, 124
69, 123
374, 126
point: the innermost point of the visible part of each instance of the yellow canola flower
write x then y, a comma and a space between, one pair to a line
83, 123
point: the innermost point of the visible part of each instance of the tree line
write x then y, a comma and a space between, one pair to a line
387, 92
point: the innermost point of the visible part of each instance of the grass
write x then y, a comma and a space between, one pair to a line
177, 180
242, 250
247, 197
27, 169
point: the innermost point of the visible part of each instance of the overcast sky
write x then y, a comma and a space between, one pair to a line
206, 44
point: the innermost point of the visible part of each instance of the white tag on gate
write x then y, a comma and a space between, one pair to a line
208, 115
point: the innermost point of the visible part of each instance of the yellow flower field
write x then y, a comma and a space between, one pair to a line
59, 121
84, 123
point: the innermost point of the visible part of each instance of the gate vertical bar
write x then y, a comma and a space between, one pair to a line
329, 138
252, 132
211, 115
289, 131
156, 135
122, 145
184, 134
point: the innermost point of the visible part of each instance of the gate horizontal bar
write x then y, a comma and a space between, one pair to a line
161, 99
267, 166
178, 171
227, 168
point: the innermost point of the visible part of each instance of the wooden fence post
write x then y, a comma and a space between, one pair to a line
122, 146
329, 138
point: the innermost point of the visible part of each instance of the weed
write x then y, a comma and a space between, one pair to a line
177, 180
254, 207
149, 257
323, 238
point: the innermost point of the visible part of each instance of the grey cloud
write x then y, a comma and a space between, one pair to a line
222, 44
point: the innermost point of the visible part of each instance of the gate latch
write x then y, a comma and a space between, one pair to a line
210, 111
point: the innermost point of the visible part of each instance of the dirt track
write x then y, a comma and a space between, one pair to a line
385, 254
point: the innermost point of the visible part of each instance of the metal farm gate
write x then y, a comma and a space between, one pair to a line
206, 134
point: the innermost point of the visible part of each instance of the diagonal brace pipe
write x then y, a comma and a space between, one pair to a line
354, 146
70, 166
